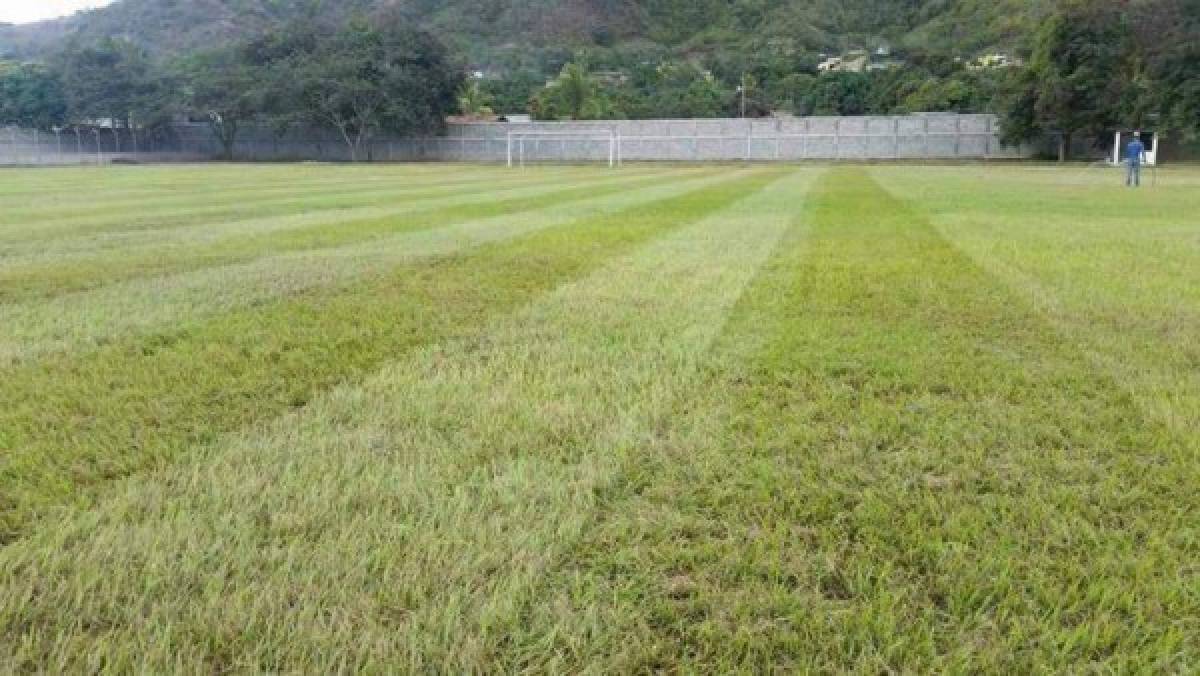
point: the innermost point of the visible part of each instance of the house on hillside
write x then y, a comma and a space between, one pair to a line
993, 61
830, 65
859, 61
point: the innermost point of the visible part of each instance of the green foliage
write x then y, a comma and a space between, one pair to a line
674, 89
1168, 35
1076, 59
473, 100
1097, 66
31, 95
367, 77
222, 87
513, 92
114, 80
1093, 65
574, 95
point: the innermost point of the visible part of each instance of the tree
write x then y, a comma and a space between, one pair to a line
575, 88
513, 92
1166, 35
114, 80
31, 96
1073, 83
574, 95
222, 87
368, 77
473, 101
673, 89
838, 94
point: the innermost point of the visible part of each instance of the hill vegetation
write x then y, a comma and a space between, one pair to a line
500, 32
1064, 67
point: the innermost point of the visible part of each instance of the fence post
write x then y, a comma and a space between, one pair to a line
987, 152
926, 138
895, 138
837, 139
749, 138
804, 139
957, 137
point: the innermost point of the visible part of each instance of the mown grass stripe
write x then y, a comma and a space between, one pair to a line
64, 275
1123, 284
415, 505
55, 209
70, 422
105, 242
895, 466
77, 321
110, 181
191, 211
101, 191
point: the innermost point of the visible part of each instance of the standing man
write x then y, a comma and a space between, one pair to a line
1135, 154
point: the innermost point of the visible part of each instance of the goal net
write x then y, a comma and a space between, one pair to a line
530, 147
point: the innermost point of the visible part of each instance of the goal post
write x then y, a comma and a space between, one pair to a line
525, 147
1149, 138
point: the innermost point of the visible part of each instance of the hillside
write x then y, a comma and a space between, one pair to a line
492, 31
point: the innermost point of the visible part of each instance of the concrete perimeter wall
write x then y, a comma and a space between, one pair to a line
773, 139
908, 137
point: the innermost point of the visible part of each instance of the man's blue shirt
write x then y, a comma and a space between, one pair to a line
1134, 152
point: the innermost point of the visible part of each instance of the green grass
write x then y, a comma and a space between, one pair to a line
670, 419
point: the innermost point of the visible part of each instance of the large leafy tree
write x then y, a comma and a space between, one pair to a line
114, 80
365, 78
31, 95
223, 87
1167, 64
1073, 84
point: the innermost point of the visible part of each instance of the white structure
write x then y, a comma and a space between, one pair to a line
1151, 144
597, 145
831, 64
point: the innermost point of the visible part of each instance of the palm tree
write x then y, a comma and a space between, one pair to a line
473, 101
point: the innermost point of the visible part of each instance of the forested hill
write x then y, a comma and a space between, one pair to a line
501, 32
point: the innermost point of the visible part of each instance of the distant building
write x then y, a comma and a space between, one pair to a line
859, 61
829, 65
993, 61
610, 77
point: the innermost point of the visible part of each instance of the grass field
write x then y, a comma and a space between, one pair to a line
707, 419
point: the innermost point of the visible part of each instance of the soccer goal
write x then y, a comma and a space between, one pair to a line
1149, 138
529, 147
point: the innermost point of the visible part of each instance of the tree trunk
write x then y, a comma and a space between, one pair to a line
351, 143
229, 140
